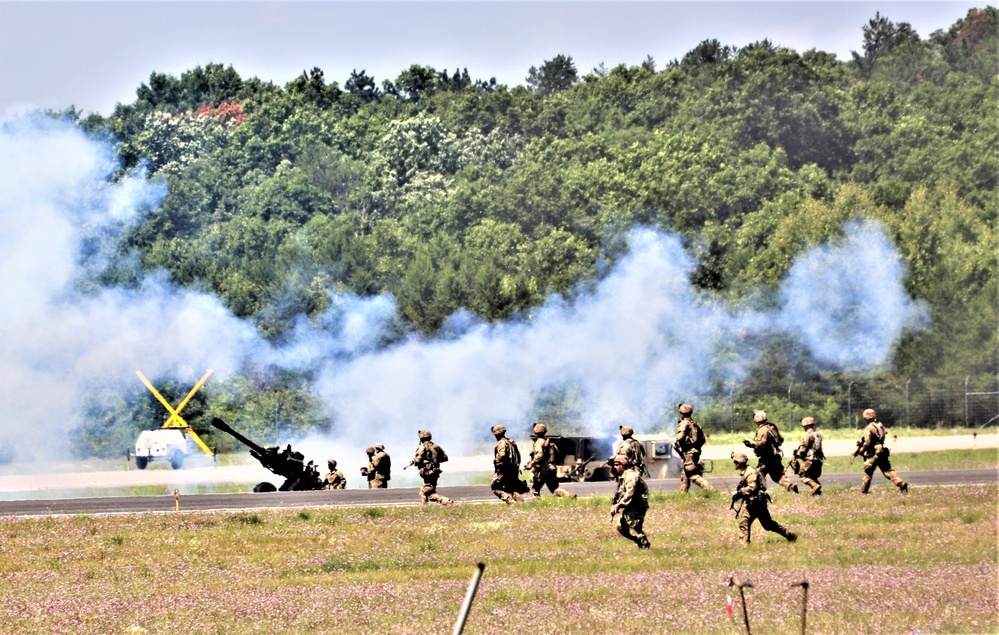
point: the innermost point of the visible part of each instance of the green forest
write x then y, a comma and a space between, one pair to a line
451, 192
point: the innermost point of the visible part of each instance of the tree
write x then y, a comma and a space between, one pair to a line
881, 36
363, 86
554, 76
312, 89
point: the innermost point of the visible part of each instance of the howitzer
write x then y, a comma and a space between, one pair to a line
287, 464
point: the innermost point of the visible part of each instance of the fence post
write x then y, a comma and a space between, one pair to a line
908, 422
849, 405
966, 378
790, 414
731, 409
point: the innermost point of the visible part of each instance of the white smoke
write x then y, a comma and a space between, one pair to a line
642, 337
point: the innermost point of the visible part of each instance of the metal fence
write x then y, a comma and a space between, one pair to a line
971, 401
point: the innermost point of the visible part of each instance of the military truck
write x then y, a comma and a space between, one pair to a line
585, 458
165, 444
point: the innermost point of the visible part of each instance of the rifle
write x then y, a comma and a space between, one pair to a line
856, 452
736, 497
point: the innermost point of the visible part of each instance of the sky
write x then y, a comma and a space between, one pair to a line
92, 55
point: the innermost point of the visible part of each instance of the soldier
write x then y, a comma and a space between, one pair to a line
752, 490
382, 464
688, 444
376, 480
542, 464
428, 459
334, 478
766, 446
811, 456
631, 501
632, 448
872, 447
506, 483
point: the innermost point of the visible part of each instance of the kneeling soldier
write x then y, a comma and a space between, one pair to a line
631, 501
752, 490
334, 478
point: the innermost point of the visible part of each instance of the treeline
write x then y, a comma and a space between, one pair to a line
451, 193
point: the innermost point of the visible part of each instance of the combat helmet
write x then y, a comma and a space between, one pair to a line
622, 459
685, 409
498, 429
760, 417
331, 463
369, 450
807, 421
739, 458
627, 431
380, 447
540, 429
424, 435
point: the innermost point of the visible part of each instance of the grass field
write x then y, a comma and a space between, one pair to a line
882, 563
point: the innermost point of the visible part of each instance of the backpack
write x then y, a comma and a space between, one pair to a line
776, 433
695, 436
439, 455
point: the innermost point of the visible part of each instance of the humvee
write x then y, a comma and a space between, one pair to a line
585, 458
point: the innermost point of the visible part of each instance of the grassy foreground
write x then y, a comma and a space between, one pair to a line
881, 563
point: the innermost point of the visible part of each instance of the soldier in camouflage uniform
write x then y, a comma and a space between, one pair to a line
428, 459
506, 483
872, 447
334, 478
632, 448
688, 444
381, 462
766, 446
542, 464
811, 456
631, 501
752, 491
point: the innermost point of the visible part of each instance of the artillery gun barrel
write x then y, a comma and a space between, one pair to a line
224, 427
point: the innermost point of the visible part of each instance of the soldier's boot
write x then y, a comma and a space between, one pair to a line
816, 488
517, 498
786, 482
684, 484
865, 485
704, 484
506, 498
791, 536
644, 543
564, 494
903, 487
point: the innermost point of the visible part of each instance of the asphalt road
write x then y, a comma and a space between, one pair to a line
406, 495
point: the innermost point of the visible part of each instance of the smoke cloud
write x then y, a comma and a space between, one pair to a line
640, 338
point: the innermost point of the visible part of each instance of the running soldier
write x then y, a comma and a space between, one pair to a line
542, 464
872, 447
766, 446
428, 459
631, 501
506, 483
752, 490
334, 478
688, 444
810, 455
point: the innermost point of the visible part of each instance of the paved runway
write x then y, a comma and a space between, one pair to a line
408, 495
